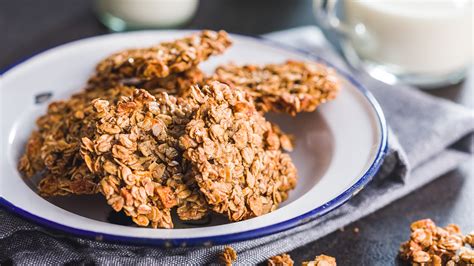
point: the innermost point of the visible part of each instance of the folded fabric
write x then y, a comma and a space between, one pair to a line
426, 139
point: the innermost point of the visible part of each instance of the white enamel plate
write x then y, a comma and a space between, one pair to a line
339, 147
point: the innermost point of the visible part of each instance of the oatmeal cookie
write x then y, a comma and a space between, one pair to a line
291, 87
53, 151
135, 154
241, 174
159, 61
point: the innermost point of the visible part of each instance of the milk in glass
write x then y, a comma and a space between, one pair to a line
416, 36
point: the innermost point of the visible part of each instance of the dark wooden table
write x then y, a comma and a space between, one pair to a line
29, 26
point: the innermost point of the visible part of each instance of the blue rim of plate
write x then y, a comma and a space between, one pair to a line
247, 235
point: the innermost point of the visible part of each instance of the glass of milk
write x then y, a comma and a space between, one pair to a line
428, 43
120, 15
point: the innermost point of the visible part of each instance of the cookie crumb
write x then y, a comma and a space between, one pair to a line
469, 239
280, 260
290, 87
434, 245
228, 255
321, 260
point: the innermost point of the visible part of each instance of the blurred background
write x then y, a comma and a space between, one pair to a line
30, 26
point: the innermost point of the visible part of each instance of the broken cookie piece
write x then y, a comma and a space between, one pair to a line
160, 61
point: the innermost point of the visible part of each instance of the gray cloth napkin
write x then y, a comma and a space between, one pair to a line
428, 137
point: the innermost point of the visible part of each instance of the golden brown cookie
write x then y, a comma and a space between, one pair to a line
134, 151
291, 87
239, 172
53, 151
136, 66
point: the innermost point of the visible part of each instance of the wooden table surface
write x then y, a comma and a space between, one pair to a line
30, 26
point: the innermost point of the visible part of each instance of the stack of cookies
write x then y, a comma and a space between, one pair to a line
154, 134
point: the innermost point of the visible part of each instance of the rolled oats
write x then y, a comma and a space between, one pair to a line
241, 174
280, 260
135, 154
291, 87
159, 61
